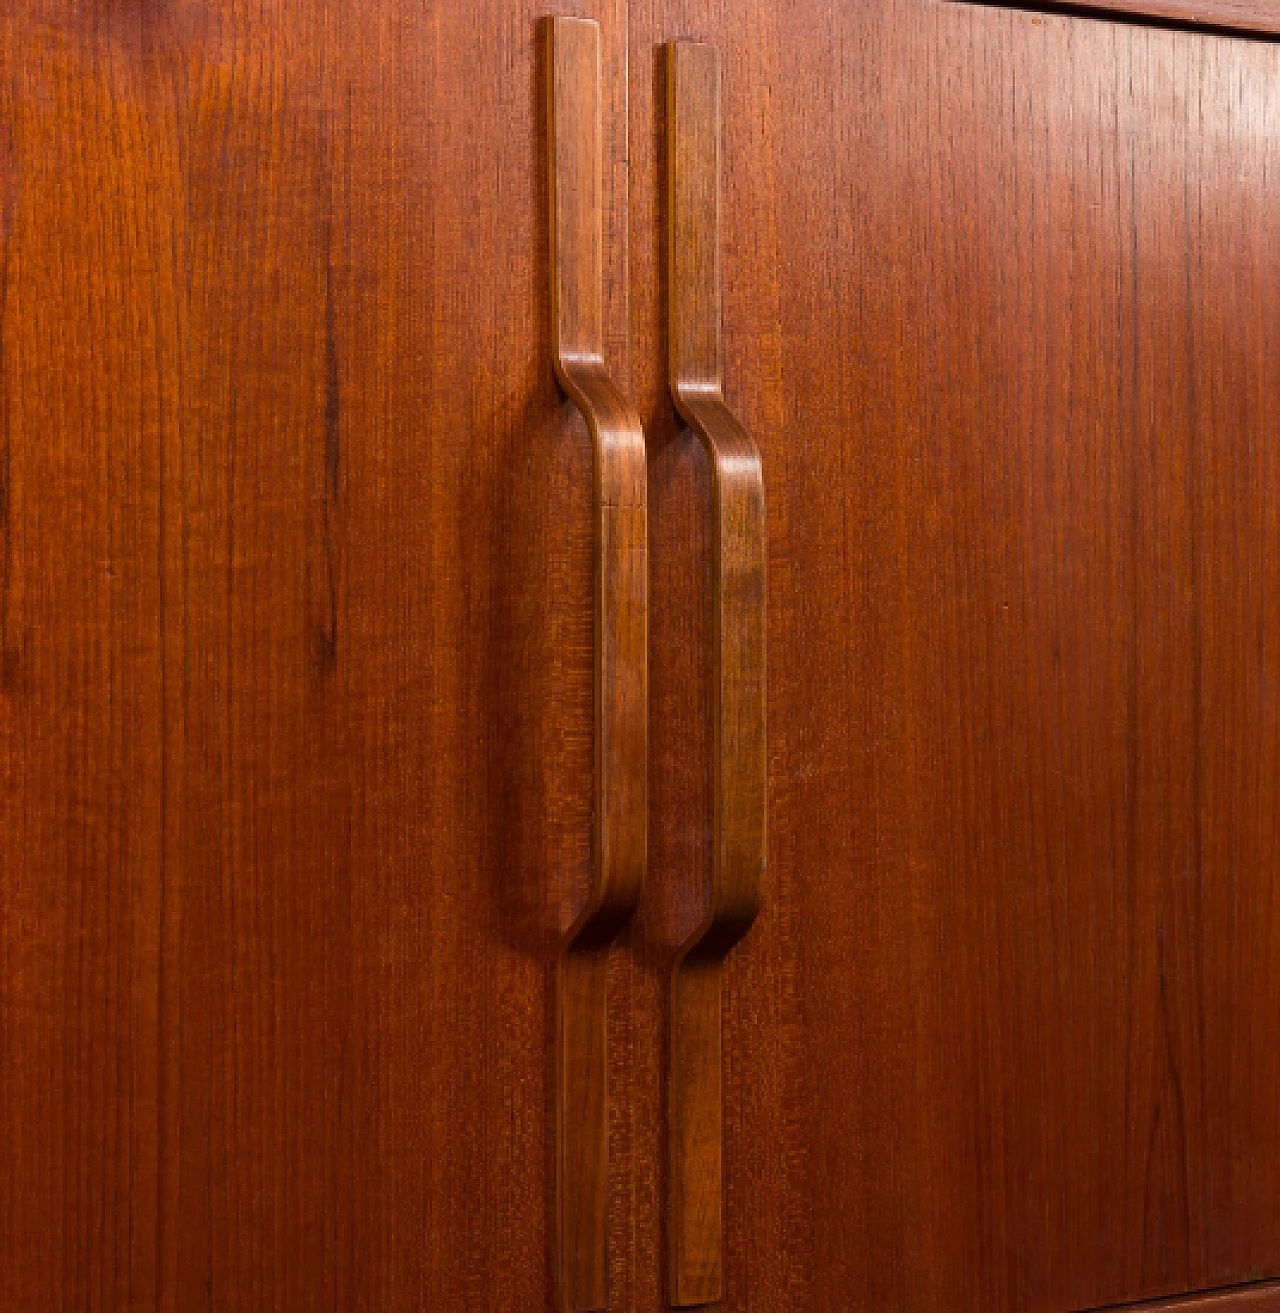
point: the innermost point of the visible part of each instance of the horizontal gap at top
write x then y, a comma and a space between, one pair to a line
1237, 18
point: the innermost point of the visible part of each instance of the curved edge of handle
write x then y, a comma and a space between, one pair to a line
696, 1217
696, 1220
620, 830
738, 622
621, 658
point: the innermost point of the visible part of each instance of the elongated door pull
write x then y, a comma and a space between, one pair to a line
621, 671
738, 599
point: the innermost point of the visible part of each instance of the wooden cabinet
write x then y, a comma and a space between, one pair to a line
296, 655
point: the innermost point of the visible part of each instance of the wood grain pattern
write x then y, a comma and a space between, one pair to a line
695, 1120
297, 677
1247, 16
621, 660
999, 302
88, 220
297, 759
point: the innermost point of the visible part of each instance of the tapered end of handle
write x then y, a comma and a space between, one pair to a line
693, 174
696, 1214
582, 1132
574, 187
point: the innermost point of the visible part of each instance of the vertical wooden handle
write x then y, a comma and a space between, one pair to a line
738, 600
621, 672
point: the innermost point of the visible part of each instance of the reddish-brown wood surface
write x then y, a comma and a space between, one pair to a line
621, 641
1001, 303
297, 690
739, 789
296, 627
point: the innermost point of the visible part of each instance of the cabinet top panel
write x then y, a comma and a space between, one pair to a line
1259, 17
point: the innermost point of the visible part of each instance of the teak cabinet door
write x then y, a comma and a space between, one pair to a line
1002, 306
295, 656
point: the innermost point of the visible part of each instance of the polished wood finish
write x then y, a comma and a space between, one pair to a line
695, 342
1001, 310
297, 691
296, 699
90, 299
1250, 16
621, 579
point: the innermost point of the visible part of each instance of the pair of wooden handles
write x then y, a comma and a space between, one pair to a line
621, 677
